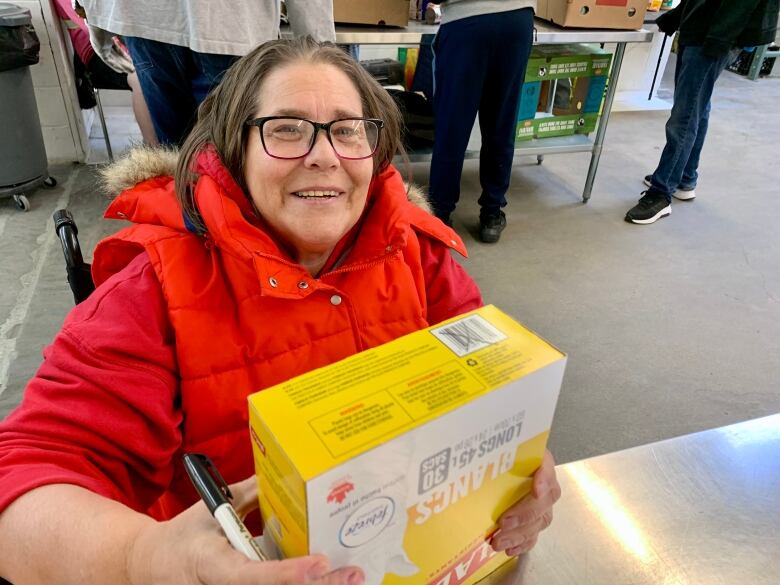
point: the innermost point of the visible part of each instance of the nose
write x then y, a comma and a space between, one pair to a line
322, 154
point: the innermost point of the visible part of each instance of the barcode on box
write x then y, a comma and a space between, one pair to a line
468, 335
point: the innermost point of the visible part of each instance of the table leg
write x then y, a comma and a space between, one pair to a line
758, 60
602, 129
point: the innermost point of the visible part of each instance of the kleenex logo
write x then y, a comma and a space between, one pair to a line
365, 523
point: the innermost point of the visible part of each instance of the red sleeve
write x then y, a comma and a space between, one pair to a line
449, 289
101, 411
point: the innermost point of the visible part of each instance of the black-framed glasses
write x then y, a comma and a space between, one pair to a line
288, 137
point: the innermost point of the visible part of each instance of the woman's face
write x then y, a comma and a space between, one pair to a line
309, 202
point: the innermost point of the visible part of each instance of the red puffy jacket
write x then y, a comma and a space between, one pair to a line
238, 315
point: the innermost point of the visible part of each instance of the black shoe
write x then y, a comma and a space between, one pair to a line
651, 207
491, 226
682, 193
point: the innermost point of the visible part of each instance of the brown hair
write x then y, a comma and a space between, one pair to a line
222, 115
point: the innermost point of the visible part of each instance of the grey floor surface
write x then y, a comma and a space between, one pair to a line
670, 328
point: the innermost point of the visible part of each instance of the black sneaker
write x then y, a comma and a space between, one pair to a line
491, 226
681, 193
651, 207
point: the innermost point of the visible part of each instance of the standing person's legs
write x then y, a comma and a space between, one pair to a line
162, 71
687, 125
103, 77
511, 38
690, 176
141, 111
208, 72
685, 133
459, 66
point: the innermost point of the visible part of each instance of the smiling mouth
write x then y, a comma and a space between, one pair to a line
316, 194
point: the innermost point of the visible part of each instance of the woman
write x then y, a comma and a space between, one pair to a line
293, 246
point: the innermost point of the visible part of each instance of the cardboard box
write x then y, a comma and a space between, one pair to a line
620, 14
568, 60
548, 126
587, 123
382, 12
596, 87
400, 459
529, 100
570, 96
536, 69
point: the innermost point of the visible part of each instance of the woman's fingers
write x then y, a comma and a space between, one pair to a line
520, 525
521, 539
528, 511
545, 478
244, 496
311, 570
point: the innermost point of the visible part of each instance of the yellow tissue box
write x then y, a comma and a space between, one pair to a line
400, 459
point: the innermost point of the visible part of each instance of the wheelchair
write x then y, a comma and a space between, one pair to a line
79, 272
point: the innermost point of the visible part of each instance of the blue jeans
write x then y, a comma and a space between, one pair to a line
174, 80
479, 65
694, 80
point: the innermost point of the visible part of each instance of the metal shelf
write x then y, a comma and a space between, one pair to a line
545, 34
554, 145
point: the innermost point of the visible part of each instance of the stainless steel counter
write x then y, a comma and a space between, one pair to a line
546, 33
695, 510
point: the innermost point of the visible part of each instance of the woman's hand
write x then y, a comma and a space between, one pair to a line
191, 549
520, 525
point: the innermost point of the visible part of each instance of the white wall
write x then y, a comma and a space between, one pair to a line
55, 93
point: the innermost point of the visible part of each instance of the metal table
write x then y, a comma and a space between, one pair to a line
698, 509
758, 60
545, 33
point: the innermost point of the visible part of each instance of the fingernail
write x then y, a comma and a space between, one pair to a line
499, 545
542, 487
355, 578
509, 523
317, 571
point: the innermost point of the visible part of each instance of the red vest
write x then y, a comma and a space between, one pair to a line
246, 317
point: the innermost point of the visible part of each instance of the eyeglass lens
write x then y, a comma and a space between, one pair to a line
292, 138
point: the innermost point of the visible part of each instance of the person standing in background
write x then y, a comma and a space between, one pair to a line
710, 30
181, 49
480, 55
99, 74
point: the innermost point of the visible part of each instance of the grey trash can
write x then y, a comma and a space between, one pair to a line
23, 165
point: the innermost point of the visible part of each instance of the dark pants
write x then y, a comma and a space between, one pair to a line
479, 65
103, 77
694, 80
174, 81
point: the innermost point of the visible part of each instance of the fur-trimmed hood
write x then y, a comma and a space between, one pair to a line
144, 195
138, 164
145, 162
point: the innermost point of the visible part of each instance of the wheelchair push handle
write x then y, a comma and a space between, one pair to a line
67, 231
79, 273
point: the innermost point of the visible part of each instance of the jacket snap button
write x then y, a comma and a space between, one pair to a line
273, 282
303, 284
389, 249
335, 300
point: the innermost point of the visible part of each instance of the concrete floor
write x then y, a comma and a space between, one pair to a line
670, 328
